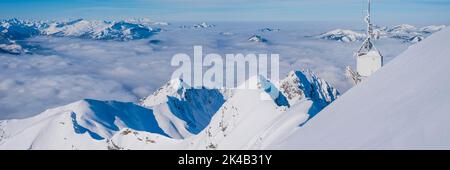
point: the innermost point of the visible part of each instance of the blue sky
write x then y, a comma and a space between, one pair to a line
433, 11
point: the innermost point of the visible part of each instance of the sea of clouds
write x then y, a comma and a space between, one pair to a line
63, 70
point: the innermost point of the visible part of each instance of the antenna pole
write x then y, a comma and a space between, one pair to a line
367, 44
369, 24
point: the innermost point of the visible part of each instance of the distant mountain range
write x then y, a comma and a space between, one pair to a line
197, 26
406, 33
14, 31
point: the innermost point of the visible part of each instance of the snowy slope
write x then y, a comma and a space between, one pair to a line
175, 117
84, 124
405, 105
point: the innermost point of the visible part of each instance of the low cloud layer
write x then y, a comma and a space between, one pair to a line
63, 70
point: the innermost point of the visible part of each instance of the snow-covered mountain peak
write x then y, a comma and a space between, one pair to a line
78, 27
15, 29
257, 39
204, 25
299, 85
270, 91
120, 30
147, 22
190, 109
402, 28
292, 87
173, 88
201, 25
342, 35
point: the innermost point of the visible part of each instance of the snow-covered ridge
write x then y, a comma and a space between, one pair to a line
342, 35
176, 117
189, 110
305, 84
404, 32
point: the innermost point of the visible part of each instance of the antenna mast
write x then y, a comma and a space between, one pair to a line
369, 24
368, 58
367, 44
